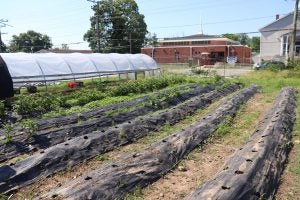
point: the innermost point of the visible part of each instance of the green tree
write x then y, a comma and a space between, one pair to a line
151, 40
118, 27
241, 38
2, 45
30, 41
244, 39
255, 44
234, 37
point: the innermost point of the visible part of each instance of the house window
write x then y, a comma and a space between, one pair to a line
297, 50
285, 45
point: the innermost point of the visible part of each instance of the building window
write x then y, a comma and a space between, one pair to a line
201, 42
285, 45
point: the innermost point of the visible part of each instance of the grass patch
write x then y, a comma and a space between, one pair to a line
272, 82
135, 195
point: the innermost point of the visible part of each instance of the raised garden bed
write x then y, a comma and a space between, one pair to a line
45, 138
115, 179
51, 122
61, 156
253, 171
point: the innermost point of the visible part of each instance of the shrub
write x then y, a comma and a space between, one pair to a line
7, 131
36, 104
30, 127
199, 71
82, 97
145, 85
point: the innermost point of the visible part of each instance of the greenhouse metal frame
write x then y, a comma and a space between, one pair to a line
27, 68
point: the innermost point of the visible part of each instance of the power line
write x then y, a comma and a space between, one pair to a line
188, 8
252, 32
32, 19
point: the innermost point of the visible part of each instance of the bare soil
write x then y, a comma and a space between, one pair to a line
45, 185
200, 165
289, 188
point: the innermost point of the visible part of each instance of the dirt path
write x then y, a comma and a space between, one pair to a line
45, 185
201, 165
198, 166
193, 171
289, 189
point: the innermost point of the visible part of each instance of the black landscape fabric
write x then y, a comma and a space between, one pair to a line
253, 171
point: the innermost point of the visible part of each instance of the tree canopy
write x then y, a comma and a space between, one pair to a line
241, 38
255, 44
30, 41
118, 27
151, 40
2, 46
244, 39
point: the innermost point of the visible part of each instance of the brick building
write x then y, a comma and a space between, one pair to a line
200, 49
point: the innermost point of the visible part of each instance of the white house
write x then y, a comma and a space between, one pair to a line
276, 38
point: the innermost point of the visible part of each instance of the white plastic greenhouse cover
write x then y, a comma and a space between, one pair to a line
40, 67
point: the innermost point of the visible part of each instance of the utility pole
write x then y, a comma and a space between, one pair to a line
3, 23
97, 24
292, 48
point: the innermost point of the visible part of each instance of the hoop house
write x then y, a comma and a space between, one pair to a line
21, 69
43, 67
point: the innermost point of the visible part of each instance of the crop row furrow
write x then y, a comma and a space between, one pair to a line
73, 118
66, 154
115, 179
253, 171
46, 138
53, 122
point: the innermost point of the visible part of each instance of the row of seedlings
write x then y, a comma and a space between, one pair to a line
45, 138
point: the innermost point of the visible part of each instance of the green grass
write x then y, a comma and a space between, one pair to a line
272, 82
135, 195
295, 168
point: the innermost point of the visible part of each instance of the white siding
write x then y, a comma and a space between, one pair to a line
271, 37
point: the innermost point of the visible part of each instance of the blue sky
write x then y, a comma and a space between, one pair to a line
65, 21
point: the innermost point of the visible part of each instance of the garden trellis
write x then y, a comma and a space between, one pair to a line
29, 68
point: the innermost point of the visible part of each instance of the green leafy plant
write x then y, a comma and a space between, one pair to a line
102, 157
224, 127
135, 195
30, 127
36, 104
145, 85
199, 71
3, 197
7, 131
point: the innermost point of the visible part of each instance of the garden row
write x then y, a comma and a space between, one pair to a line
36, 104
51, 122
68, 128
254, 170
73, 151
115, 179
